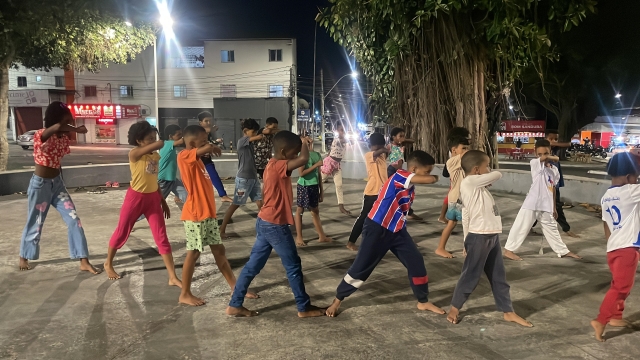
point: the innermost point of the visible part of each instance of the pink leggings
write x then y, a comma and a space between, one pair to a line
136, 204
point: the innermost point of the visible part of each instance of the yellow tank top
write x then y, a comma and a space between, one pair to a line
144, 173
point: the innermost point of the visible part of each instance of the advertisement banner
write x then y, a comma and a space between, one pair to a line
130, 111
105, 134
95, 111
28, 98
523, 126
304, 115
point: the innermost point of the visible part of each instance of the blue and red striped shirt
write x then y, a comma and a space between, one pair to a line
394, 201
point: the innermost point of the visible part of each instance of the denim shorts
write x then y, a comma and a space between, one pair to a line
247, 189
454, 213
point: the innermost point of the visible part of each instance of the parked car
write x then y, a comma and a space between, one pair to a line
26, 140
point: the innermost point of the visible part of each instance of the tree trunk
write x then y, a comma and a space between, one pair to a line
4, 115
566, 120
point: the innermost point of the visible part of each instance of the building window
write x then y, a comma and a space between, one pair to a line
187, 57
126, 91
179, 91
22, 81
38, 78
90, 91
227, 56
275, 55
59, 81
276, 91
227, 91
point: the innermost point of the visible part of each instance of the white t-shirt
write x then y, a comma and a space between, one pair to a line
480, 214
620, 212
545, 179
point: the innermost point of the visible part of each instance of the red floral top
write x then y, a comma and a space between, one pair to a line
51, 151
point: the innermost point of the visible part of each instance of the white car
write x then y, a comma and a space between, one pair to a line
26, 140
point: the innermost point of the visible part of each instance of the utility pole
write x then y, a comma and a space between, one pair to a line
324, 144
313, 97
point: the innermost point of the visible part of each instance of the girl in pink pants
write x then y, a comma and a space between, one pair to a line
143, 198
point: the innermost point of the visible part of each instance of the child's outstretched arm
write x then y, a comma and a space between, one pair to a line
256, 138
178, 142
302, 171
424, 179
484, 179
136, 153
302, 159
607, 231
208, 149
379, 152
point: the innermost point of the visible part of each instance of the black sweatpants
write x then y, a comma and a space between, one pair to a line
483, 254
390, 171
562, 219
376, 241
367, 204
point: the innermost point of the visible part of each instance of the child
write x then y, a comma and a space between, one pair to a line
199, 213
621, 227
385, 229
482, 243
205, 118
539, 205
377, 175
331, 165
457, 146
272, 227
263, 148
310, 193
47, 188
456, 132
396, 157
144, 197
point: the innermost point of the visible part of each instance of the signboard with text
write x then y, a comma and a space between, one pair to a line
523, 126
28, 98
304, 115
130, 111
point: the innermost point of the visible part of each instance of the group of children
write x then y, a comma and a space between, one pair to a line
387, 201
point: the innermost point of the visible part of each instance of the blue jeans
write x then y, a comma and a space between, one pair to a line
246, 189
43, 193
278, 237
215, 179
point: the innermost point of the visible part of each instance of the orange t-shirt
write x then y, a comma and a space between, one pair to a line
200, 204
377, 172
277, 194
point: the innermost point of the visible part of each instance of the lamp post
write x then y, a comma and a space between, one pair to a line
166, 22
324, 96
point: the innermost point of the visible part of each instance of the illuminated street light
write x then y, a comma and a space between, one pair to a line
166, 22
618, 96
354, 74
510, 107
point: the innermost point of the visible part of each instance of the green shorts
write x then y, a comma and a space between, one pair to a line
202, 233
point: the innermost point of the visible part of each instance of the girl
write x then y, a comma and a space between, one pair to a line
144, 197
331, 165
47, 188
205, 121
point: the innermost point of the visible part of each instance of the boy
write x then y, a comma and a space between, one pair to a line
263, 148
331, 165
385, 229
310, 194
396, 157
377, 175
456, 132
539, 205
272, 227
482, 243
247, 184
204, 119
458, 146
621, 227
199, 212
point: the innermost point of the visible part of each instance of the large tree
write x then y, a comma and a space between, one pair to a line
70, 34
443, 63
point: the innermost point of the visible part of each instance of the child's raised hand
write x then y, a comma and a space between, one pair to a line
165, 209
216, 150
82, 129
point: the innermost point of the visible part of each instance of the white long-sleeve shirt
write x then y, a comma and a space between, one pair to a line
480, 214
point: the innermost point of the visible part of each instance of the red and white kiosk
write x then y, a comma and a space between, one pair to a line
525, 131
106, 123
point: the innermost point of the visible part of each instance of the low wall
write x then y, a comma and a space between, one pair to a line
577, 189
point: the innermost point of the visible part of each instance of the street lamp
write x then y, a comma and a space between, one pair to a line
166, 22
354, 75
618, 96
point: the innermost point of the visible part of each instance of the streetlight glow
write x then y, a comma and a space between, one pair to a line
618, 96
354, 74
165, 19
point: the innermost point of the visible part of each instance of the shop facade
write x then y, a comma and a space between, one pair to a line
525, 131
106, 123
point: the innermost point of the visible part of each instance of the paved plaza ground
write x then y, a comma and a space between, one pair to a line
56, 312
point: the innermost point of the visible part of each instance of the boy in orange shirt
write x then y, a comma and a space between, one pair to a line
272, 226
199, 212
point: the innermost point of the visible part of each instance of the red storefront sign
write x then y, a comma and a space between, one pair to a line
130, 111
106, 121
95, 111
523, 126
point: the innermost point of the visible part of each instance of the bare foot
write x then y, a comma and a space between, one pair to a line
24, 264
325, 239
225, 236
513, 317
351, 246
226, 199
251, 295
444, 253
571, 255
572, 234
312, 311
300, 242
343, 210
175, 282
442, 220
240, 312
620, 323
189, 299
430, 307
414, 217
111, 273
599, 329
510, 255
86, 266
332, 311
453, 315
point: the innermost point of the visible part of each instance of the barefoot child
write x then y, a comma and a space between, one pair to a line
456, 132
205, 119
457, 146
310, 194
331, 165
144, 197
620, 214
377, 175
539, 205
247, 183
199, 213
47, 188
385, 229
272, 227
396, 157
482, 243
